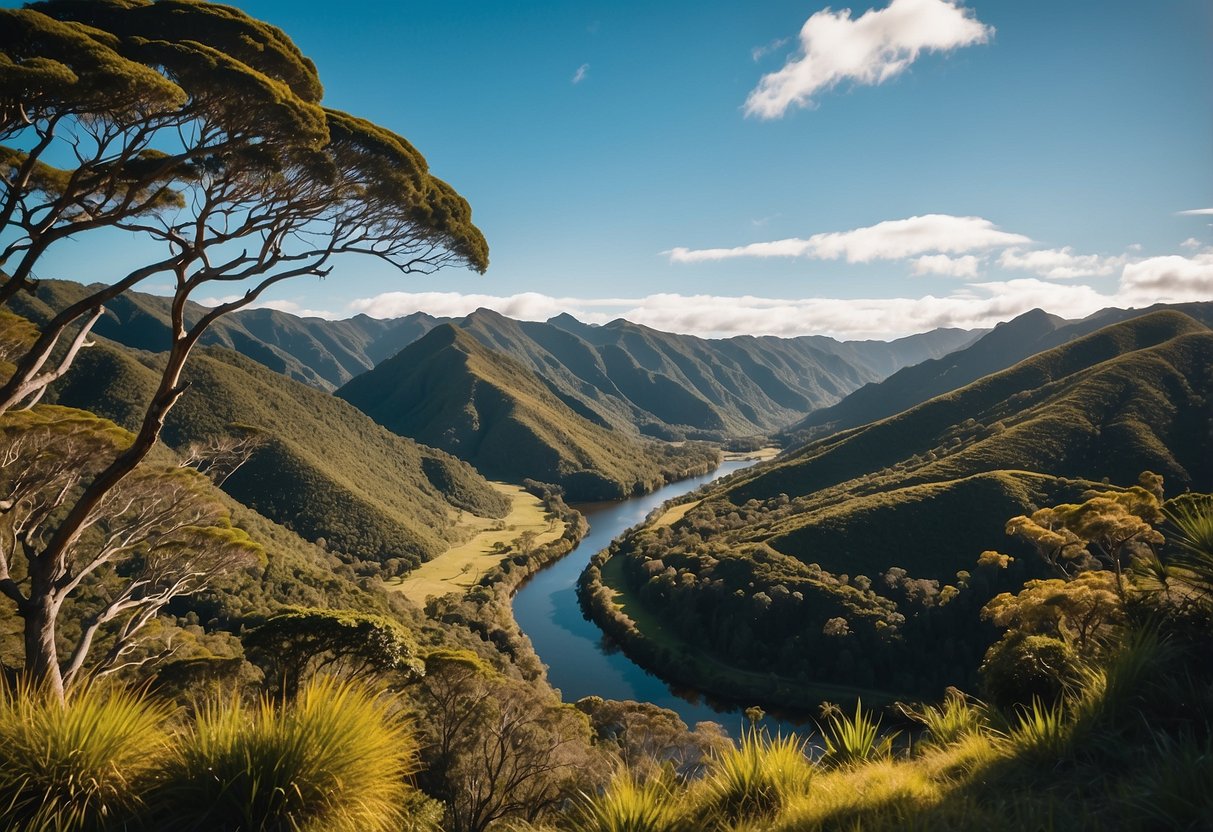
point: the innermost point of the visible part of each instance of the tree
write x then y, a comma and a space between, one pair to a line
273, 187
158, 534
1106, 530
296, 644
496, 748
1084, 612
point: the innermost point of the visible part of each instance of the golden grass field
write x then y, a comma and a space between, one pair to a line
460, 567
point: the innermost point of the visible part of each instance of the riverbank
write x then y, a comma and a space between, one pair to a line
529, 526
607, 601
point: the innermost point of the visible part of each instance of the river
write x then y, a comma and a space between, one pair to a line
579, 663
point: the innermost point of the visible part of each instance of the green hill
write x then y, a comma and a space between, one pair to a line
1007, 344
449, 391
880, 526
325, 470
627, 377
318, 352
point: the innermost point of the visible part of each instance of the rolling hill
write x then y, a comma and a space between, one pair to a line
880, 526
325, 470
1007, 344
620, 375
449, 391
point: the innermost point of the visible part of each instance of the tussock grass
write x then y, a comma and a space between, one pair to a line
857, 739
82, 765
628, 805
332, 760
950, 721
756, 779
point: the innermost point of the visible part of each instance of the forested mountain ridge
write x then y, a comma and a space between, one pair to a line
318, 352
449, 391
1007, 344
620, 375
322, 467
878, 529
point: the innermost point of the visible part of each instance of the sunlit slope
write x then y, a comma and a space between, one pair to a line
325, 469
449, 391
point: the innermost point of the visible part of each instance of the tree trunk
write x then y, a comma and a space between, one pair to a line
41, 652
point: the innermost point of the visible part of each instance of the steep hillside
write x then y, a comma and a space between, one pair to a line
449, 391
868, 539
634, 378
627, 377
318, 352
1006, 345
325, 469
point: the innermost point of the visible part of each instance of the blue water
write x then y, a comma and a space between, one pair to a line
579, 662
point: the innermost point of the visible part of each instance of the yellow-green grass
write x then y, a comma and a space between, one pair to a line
762, 454
461, 566
673, 515
654, 629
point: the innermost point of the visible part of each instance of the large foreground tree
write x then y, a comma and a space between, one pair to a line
267, 186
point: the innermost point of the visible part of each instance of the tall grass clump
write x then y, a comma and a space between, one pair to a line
82, 765
854, 740
956, 718
333, 759
755, 779
627, 805
1042, 734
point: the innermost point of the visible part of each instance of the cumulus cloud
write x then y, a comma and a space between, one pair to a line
1172, 278
581, 73
888, 240
1059, 263
977, 304
868, 50
965, 266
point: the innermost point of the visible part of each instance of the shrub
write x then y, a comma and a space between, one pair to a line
1021, 668
76, 766
332, 760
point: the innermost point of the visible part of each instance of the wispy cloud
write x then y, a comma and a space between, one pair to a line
867, 50
581, 73
888, 240
1059, 263
760, 52
1196, 212
942, 264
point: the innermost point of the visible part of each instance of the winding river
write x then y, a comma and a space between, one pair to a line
579, 663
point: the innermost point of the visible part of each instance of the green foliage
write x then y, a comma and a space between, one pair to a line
951, 721
1042, 733
333, 759
296, 643
84, 765
755, 779
449, 391
857, 739
627, 805
1021, 668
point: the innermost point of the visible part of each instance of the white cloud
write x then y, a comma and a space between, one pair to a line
1059, 263
965, 266
979, 304
1191, 242
288, 306
1196, 212
869, 49
760, 52
888, 240
1172, 278
581, 73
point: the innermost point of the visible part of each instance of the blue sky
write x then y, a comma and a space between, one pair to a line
926, 163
